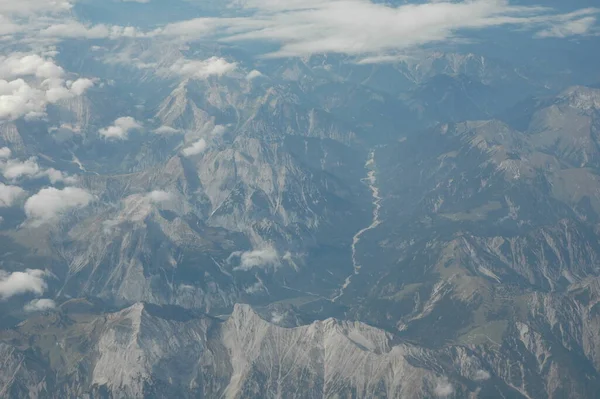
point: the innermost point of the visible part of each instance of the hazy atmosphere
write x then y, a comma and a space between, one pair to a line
299, 199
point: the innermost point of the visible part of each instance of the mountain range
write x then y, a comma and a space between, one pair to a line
187, 215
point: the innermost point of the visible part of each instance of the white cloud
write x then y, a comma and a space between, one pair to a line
15, 169
136, 1
17, 283
362, 27
120, 129
210, 132
355, 27
19, 65
30, 7
56, 176
175, 66
191, 29
254, 288
136, 207
18, 99
40, 305
481, 375
443, 389
263, 257
10, 194
81, 85
50, 203
76, 30
7, 27
159, 196
575, 27
166, 130
253, 75
202, 69
218, 130
198, 147
5, 153
383, 59
28, 82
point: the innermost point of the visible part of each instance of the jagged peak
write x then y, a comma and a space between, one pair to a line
361, 335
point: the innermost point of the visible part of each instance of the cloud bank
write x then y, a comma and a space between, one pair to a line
364, 28
29, 82
360, 28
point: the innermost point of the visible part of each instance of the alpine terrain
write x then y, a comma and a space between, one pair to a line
299, 199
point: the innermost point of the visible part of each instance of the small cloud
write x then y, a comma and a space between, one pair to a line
253, 75
17, 283
50, 203
576, 27
80, 86
196, 148
190, 29
40, 305
481, 375
218, 130
56, 176
15, 169
263, 257
159, 196
277, 317
254, 288
201, 69
120, 129
166, 130
443, 389
383, 59
77, 30
9, 195
5, 153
